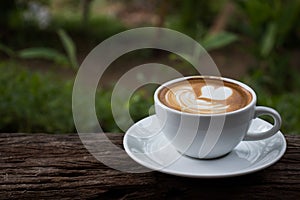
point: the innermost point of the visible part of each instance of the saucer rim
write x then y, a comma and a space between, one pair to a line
165, 170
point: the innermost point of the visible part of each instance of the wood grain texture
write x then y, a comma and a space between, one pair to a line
40, 166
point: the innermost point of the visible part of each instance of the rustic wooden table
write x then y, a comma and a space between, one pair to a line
35, 166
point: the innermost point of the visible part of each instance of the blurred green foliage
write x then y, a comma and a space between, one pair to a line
17, 18
31, 102
138, 106
47, 53
35, 102
272, 24
273, 27
192, 17
278, 88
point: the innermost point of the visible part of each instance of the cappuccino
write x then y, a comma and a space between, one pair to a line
206, 117
204, 96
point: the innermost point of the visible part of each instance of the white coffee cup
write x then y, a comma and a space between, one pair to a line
207, 136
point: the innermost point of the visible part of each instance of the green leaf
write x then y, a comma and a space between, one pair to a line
43, 53
69, 46
218, 40
7, 50
268, 40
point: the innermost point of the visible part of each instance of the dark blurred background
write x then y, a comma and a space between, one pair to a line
42, 44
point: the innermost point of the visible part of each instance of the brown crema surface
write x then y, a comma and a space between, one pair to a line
239, 98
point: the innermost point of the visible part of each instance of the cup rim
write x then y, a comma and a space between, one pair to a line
158, 102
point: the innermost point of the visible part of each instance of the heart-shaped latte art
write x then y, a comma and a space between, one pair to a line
212, 99
215, 93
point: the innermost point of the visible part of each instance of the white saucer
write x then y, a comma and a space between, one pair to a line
146, 144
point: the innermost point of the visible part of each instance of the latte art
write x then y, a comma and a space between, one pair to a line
206, 97
210, 100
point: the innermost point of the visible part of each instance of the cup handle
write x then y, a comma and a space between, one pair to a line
261, 110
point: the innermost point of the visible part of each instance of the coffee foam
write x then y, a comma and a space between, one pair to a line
207, 96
